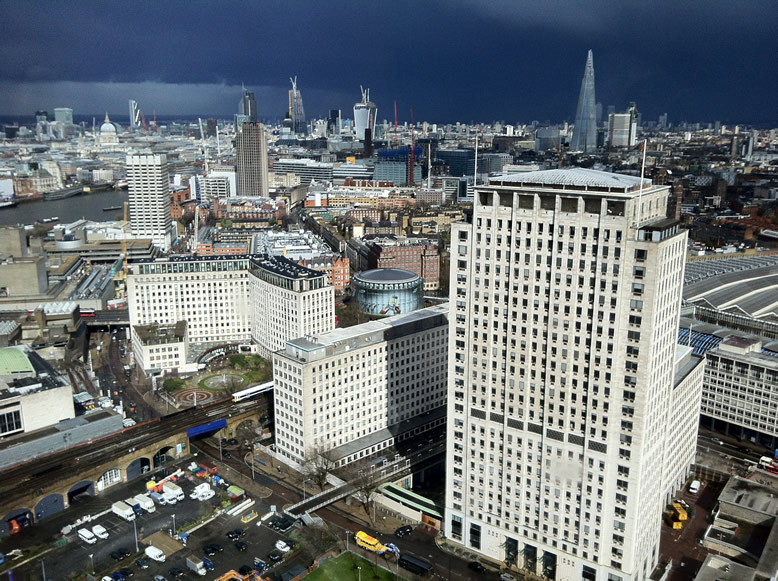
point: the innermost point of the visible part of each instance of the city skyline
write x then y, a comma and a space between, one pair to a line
692, 60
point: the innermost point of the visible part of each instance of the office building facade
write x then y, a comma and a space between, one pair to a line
566, 291
251, 160
149, 199
357, 390
227, 299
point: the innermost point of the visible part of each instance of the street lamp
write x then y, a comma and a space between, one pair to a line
359, 573
348, 534
135, 529
174, 525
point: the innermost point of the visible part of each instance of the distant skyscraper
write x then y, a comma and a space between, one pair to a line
134, 115
585, 131
149, 198
251, 160
334, 122
63, 115
296, 110
247, 109
365, 113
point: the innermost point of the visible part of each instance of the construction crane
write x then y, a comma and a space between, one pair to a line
143, 119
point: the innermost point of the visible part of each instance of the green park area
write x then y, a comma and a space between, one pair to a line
350, 567
243, 370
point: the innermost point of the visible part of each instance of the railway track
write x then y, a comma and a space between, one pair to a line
18, 482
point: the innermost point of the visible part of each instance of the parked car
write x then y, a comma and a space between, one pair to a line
126, 571
282, 546
245, 570
476, 566
117, 556
241, 546
403, 531
175, 572
717, 441
212, 549
116, 576
142, 563
236, 534
274, 557
209, 566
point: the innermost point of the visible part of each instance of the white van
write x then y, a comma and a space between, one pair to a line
100, 532
87, 536
694, 487
155, 554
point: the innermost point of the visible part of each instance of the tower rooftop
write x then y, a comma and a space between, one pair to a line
577, 177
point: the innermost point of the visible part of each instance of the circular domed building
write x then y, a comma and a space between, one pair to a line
108, 133
388, 291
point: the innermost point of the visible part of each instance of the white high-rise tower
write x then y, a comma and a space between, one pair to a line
565, 439
149, 198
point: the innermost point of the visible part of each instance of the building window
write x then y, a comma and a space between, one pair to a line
10, 421
475, 536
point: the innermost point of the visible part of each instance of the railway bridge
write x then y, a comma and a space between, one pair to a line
45, 486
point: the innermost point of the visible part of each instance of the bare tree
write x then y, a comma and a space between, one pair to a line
319, 463
365, 482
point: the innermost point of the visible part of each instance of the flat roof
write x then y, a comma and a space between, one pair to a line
338, 336
14, 361
387, 275
577, 176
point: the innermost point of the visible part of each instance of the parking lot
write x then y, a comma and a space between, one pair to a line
76, 556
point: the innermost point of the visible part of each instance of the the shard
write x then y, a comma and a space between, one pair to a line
585, 130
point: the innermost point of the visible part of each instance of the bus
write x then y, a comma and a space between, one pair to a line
369, 543
87, 312
250, 392
414, 564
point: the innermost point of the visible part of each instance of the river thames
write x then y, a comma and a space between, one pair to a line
88, 206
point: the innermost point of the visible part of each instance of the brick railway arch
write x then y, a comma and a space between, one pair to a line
247, 430
79, 489
162, 457
5, 523
138, 467
49, 506
109, 478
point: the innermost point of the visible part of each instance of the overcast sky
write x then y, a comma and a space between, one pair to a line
467, 60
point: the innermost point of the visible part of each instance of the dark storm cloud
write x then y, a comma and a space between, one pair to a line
466, 60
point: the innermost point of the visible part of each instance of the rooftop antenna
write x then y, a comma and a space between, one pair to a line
640, 196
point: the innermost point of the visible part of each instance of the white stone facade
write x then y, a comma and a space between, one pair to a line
227, 299
561, 372
149, 199
334, 389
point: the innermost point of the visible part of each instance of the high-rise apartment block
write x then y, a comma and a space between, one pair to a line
564, 372
358, 390
251, 160
585, 130
149, 199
